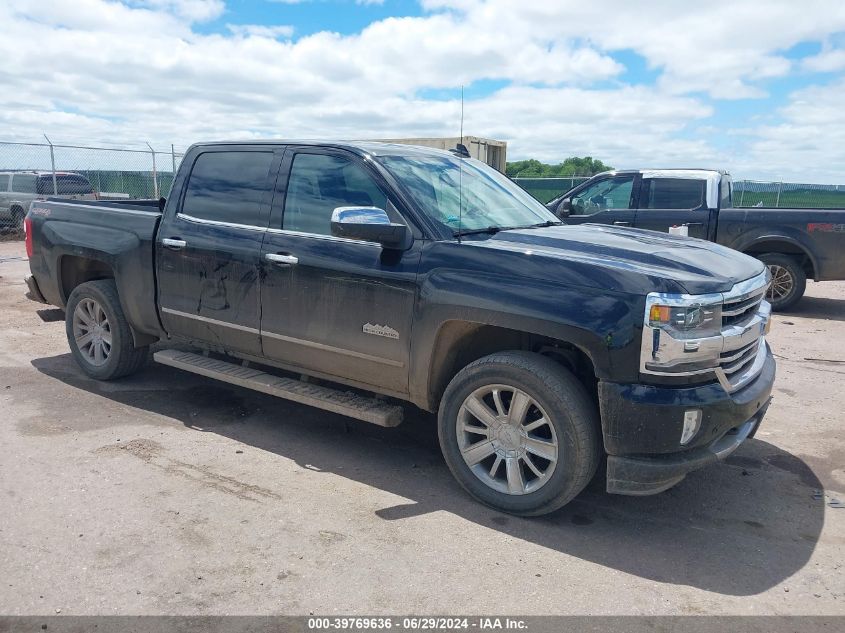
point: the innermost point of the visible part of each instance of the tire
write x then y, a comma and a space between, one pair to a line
571, 423
96, 303
788, 280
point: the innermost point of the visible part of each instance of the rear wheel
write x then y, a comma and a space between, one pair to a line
519, 433
788, 280
98, 333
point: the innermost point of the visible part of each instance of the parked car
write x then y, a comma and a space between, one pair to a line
426, 277
796, 244
19, 188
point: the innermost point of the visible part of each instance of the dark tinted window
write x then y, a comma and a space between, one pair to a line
725, 193
318, 184
4, 183
673, 193
65, 185
229, 187
23, 183
609, 193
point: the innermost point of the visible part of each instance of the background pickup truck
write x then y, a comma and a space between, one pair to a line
796, 244
425, 277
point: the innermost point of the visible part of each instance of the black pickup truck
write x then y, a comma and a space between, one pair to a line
355, 276
795, 244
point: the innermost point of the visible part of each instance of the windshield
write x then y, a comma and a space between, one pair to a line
490, 200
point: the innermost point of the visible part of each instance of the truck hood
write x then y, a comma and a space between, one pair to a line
695, 266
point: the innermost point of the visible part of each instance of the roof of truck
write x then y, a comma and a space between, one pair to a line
35, 172
375, 148
671, 172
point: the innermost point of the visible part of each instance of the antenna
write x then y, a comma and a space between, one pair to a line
462, 115
461, 170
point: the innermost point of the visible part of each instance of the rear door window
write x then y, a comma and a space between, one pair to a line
4, 182
66, 185
726, 193
672, 193
229, 187
23, 183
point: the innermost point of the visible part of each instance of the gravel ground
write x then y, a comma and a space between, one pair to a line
168, 493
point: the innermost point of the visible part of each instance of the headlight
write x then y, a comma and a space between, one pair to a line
686, 321
681, 334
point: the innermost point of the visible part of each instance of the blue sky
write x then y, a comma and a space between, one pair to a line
722, 84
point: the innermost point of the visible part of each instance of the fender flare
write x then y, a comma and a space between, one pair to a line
743, 247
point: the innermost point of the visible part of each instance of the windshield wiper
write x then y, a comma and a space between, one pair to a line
543, 224
492, 230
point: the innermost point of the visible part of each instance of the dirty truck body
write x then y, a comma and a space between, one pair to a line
388, 273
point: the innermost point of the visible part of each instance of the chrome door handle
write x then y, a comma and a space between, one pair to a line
173, 244
622, 223
285, 260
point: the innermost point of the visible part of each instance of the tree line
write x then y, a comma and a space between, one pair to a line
573, 166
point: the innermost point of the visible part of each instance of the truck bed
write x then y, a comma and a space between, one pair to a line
119, 236
819, 232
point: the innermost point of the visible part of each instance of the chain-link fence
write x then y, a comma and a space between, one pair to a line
37, 170
755, 193
547, 189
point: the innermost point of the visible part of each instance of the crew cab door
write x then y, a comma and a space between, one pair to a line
209, 251
330, 305
666, 202
604, 200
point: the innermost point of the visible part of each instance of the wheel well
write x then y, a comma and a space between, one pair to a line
75, 270
785, 248
460, 343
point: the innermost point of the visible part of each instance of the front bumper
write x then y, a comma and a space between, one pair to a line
642, 429
34, 293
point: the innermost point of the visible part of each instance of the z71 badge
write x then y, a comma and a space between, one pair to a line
380, 330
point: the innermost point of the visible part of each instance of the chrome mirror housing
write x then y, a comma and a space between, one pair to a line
369, 224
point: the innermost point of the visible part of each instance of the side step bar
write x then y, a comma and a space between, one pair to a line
334, 400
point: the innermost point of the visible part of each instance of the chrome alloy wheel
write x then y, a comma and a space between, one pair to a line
92, 331
507, 440
782, 283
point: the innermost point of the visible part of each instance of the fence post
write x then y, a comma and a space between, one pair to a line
780, 188
53, 166
742, 195
155, 173
173, 158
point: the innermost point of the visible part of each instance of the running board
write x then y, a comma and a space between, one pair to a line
334, 400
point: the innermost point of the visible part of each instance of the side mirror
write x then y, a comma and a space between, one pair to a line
564, 209
369, 224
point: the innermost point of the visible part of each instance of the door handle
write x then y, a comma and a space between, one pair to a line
622, 223
694, 223
283, 260
173, 243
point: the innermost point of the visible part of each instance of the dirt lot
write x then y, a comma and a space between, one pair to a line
166, 493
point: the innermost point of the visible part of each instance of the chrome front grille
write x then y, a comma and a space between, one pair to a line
733, 348
741, 310
739, 359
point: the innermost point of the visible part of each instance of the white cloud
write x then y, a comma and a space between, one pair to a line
194, 10
139, 70
827, 61
808, 144
260, 30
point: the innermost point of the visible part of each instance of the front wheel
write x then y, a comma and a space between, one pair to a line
98, 332
519, 433
788, 280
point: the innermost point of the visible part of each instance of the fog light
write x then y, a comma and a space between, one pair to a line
692, 420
